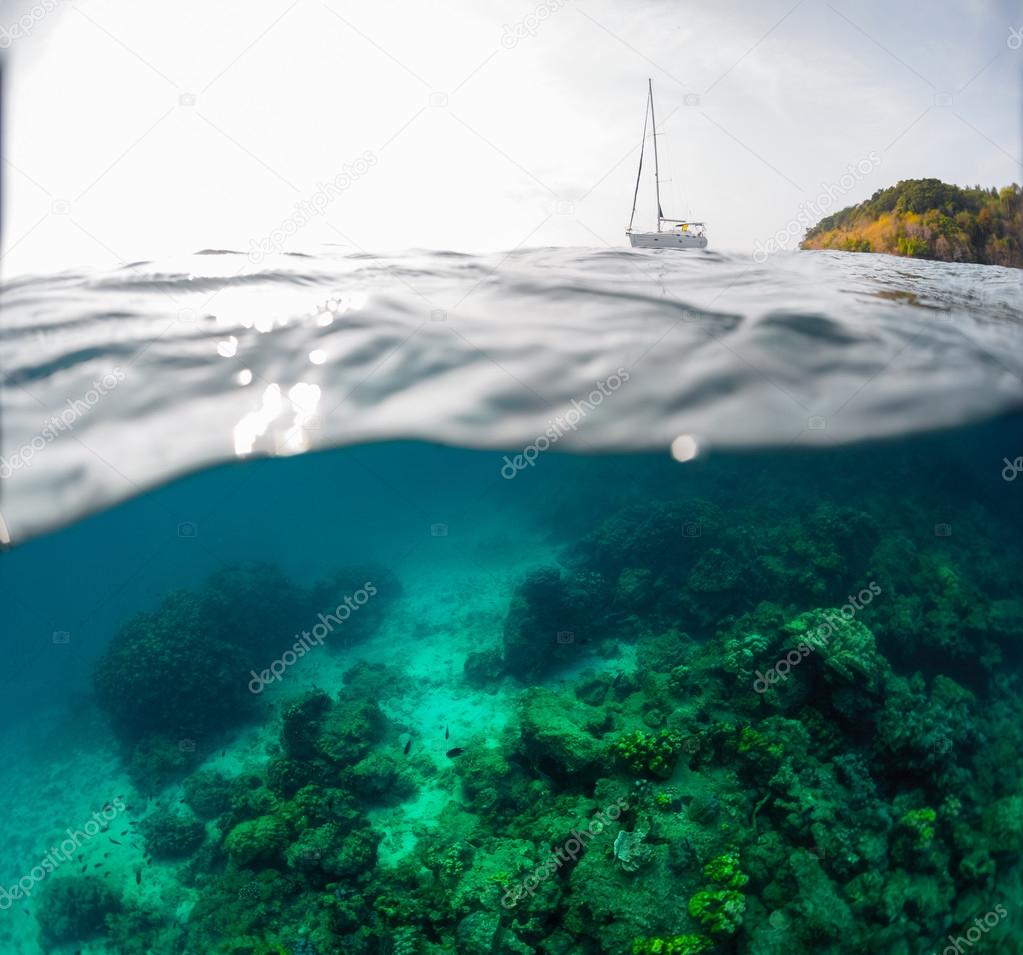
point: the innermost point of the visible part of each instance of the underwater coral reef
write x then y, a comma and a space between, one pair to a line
745, 720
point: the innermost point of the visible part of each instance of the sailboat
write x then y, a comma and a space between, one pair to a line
671, 233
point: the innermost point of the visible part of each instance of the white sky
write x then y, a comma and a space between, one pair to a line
106, 160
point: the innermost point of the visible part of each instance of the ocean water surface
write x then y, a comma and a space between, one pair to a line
561, 601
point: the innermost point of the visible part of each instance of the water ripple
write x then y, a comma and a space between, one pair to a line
220, 358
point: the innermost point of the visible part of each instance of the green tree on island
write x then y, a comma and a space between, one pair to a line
930, 219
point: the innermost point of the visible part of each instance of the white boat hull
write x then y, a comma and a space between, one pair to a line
667, 240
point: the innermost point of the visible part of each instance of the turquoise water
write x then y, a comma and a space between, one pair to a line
480, 692
868, 799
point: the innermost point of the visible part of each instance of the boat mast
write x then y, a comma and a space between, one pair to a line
657, 169
639, 172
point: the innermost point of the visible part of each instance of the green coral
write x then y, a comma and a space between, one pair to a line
760, 751
452, 867
724, 870
919, 823
302, 724
75, 909
158, 759
847, 647
1003, 822
170, 834
559, 734
743, 654
405, 941
531, 644
285, 777
171, 672
649, 754
208, 793
350, 730
381, 776
675, 945
258, 840
719, 911
256, 607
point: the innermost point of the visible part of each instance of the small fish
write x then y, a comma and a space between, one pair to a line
106, 855
114, 841
124, 832
84, 867
224, 753
27, 912
457, 751
97, 865
447, 732
408, 746
138, 877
